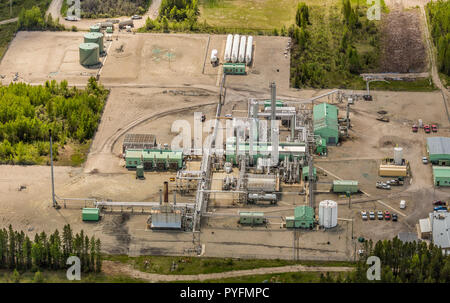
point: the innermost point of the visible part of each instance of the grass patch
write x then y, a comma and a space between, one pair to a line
73, 154
289, 277
248, 14
64, 8
17, 6
419, 85
197, 265
60, 277
7, 32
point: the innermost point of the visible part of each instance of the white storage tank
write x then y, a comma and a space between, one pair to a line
398, 155
235, 51
228, 48
249, 50
328, 213
214, 56
241, 57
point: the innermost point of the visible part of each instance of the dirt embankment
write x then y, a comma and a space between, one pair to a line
402, 45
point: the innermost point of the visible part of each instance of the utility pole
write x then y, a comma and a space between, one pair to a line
51, 165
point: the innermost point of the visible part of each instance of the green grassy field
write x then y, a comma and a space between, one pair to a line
17, 5
195, 265
60, 277
289, 277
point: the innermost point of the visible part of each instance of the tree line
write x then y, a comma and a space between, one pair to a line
413, 262
35, 20
50, 252
112, 8
324, 52
439, 16
27, 113
176, 15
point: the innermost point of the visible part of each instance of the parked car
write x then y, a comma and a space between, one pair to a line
438, 208
372, 215
387, 215
382, 185
415, 128
424, 160
439, 202
364, 215
136, 17
72, 18
427, 129
380, 215
434, 128
394, 217
402, 204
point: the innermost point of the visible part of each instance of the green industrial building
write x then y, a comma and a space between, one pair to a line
345, 186
234, 68
305, 173
438, 149
252, 218
326, 126
441, 175
303, 218
321, 146
90, 214
154, 159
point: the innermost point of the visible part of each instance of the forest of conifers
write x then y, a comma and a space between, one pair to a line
27, 113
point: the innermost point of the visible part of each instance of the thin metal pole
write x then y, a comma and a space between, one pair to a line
51, 164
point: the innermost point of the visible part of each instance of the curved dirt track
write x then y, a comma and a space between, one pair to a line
117, 268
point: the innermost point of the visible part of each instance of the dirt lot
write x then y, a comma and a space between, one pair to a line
402, 42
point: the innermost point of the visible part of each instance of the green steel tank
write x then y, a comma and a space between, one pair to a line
89, 54
94, 29
95, 38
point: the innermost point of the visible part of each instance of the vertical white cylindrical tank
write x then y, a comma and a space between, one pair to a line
214, 56
235, 51
228, 48
249, 50
398, 155
328, 213
241, 57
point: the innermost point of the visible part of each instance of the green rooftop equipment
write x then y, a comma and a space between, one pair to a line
344, 186
251, 218
89, 54
234, 68
90, 214
94, 29
304, 217
140, 172
325, 118
94, 37
154, 159
305, 173
441, 175
278, 103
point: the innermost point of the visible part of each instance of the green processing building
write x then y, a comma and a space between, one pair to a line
326, 126
157, 159
441, 175
303, 218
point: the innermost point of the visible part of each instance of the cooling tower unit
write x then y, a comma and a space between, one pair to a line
228, 48
89, 54
241, 57
94, 29
328, 213
249, 50
95, 38
235, 51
